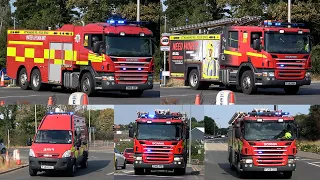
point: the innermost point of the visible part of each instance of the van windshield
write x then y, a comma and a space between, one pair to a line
54, 136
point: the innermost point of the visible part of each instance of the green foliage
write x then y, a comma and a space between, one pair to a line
197, 146
121, 146
19, 119
211, 126
5, 22
315, 57
314, 148
309, 124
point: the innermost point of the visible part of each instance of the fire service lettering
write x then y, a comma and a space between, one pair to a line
48, 149
270, 144
157, 143
180, 46
37, 38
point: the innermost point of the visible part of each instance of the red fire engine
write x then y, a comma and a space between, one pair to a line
262, 140
116, 55
160, 142
272, 54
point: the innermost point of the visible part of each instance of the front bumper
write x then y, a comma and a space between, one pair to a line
247, 167
57, 163
270, 81
137, 164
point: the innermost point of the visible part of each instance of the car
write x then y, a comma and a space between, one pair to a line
2, 148
120, 160
128, 154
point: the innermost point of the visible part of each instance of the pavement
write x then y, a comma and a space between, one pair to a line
307, 95
128, 173
217, 166
13, 94
100, 166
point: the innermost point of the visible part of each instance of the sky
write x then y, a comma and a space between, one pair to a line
98, 107
222, 114
124, 114
12, 7
163, 6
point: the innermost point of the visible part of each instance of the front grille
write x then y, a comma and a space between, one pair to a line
270, 155
287, 69
158, 154
127, 72
46, 163
44, 155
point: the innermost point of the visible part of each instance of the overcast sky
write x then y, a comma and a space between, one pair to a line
222, 114
124, 114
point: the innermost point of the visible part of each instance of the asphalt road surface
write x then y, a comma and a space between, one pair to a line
12, 95
217, 166
128, 173
307, 95
100, 167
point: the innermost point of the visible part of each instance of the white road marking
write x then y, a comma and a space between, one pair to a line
110, 173
94, 157
183, 95
314, 164
305, 159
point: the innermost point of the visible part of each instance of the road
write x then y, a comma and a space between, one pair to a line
14, 94
128, 173
217, 166
306, 95
100, 167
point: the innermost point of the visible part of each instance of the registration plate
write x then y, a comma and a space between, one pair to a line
47, 167
270, 169
290, 83
131, 87
157, 166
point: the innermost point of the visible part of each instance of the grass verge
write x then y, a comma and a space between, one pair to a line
12, 165
309, 146
315, 77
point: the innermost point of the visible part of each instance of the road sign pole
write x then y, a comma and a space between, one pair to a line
164, 67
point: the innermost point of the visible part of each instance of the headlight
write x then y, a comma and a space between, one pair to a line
308, 74
150, 78
271, 74
264, 73
291, 161
31, 153
108, 78
66, 154
248, 161
138, 158
178, 159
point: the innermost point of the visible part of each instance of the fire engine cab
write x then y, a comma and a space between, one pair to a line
116, 55
262, 140
160, 142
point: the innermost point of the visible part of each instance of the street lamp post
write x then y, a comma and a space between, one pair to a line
289, 11
138, 10
190, 137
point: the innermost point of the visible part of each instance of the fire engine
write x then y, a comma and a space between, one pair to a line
160, 142
116, 55
257, 142
241, 55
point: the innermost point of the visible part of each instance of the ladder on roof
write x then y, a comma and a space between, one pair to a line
236, 116
217, 25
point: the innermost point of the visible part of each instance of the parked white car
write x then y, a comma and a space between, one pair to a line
120, 160
2, 148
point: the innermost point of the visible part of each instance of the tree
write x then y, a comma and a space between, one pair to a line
210, 125
5, 22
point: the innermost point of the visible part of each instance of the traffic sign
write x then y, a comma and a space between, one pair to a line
164, 41
165, 48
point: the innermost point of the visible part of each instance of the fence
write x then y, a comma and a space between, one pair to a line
101, 144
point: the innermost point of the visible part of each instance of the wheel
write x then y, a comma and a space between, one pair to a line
138, 171
124, 165
87, 85
291, 90
32, 172
241, 174
36, 80
287, 174
247, 83
180, 171
116, 165
194, 81
3, 150
72, 171
136, 93
84, 164
230, 163
23, 79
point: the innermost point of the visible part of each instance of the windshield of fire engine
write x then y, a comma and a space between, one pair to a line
128, 46
159, 132
54, 137
287, 43
268, 130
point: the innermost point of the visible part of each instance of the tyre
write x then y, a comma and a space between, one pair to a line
136, 93
241, 174
116, 165
87, 84
287, 174
72, 171
138, 171
180, 172
291, 90
36, 79
247, 83
124, 165
23, 79
32, 172
194, 81
84, 164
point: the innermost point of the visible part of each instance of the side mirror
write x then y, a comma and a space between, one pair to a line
121, 153
96, 46
131, 132
257, 44
188, 134
298, 132
237, 132
29, 142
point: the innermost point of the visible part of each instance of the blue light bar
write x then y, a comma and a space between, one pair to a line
61, 113
151, 115
272, 113
139, 69
281, 24
116, 22
124, 69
